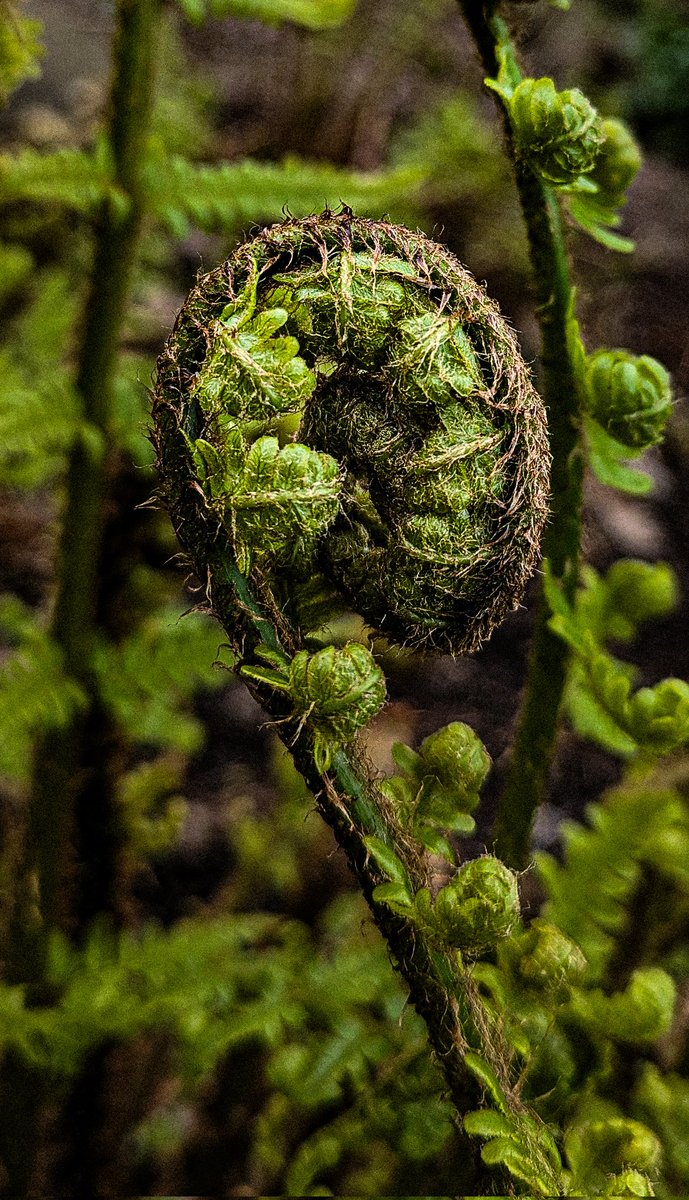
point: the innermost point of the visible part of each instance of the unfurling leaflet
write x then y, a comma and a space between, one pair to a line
630, 396
348, 401
618, 163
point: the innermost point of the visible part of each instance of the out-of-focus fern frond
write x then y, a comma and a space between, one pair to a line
152, 807
314, 14
37, 424
42, 334
16, 264
148, 679
20, 49
590, 894
76, 180
35, 692
40, 412
663, 1102
215, 198
215, 984
233, 195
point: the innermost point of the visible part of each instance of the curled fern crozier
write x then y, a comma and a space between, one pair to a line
349, 403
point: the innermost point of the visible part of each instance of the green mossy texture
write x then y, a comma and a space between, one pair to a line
375, 348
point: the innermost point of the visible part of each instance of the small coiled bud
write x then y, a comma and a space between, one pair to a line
459, 760
338, 691
618, 163
629, 396
479, 906
546, 959
558, 132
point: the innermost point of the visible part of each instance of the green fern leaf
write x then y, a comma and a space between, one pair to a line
35, 692
76, 180
517, 1141
488, 1124
313, 14
230, 196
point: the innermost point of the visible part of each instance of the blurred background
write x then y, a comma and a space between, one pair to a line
212, 819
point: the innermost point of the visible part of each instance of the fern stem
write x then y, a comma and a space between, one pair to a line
538, 722
116, 239
59, 773
74, 624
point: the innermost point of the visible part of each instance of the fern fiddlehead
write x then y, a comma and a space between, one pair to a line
343, 420
426, 463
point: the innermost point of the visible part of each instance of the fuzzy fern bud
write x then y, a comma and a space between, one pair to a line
415, 471
338, 691
545, 959
479, 906
558, 132
459, 760
629, 396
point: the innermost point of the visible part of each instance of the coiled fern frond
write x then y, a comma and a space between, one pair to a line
418, 478
343, 417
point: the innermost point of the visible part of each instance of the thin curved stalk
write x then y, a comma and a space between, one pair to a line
538, 722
